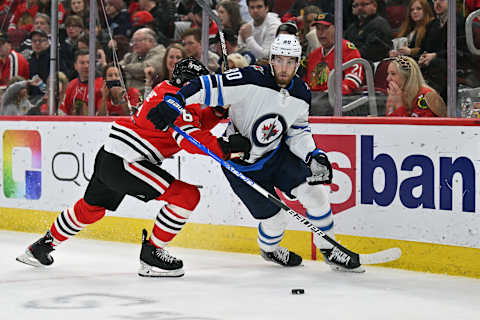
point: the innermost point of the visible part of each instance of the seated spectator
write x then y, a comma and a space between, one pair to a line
414, 27
192, 41
408, 94
40, 22
229, 14
295, 11
146, 52
231, 45
118, 18
76, 94
80, 9
42, 107
122, 46
101, 60
12, 63
175, 52
15, 100
45, 6
371, 33
23, 15
258, 34
144, 19
115, 101
163, 13
322, 60
236, 60
40, 60
74, 28
308, 33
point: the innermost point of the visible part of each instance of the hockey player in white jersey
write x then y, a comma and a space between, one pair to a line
270, 106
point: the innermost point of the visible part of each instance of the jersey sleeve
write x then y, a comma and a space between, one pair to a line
299, 137
192, 121
353, 76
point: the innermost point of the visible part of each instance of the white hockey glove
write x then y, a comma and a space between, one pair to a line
321, 168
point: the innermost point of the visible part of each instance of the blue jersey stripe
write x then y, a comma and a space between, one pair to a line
220, 94
207, 86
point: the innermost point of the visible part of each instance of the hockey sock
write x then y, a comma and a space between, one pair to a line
271, 231
170, 220
315, 200
72, 220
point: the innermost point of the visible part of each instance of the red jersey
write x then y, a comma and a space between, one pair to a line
24, 15
420, 107
76, 97
320, 64
14, 65
133, 95
139, 140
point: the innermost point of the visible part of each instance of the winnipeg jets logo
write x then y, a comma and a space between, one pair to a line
267, 129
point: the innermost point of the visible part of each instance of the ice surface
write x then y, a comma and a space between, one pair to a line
97, 280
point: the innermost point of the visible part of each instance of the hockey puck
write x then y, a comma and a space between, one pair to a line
298, 291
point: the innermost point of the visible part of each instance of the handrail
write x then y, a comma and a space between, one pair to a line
372, 102
469, 31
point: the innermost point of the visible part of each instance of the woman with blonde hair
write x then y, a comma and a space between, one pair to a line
236, 60
414, 28
408, 94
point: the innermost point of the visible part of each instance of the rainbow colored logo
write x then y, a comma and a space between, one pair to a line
28, 185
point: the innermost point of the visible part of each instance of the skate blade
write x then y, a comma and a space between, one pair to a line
29, 259
154, 272
336, 268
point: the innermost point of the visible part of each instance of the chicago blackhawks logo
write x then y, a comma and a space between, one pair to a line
421, 102
267, 129
319, 75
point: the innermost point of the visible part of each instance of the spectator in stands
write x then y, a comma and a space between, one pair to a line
115, 101
118, 18
45, 6
308, 33
371, 33
146, 51
162, 13
174, 53
76, 95
23, 16
192, 38
12, 63
258, 34
122, 46
414, 27
236, 60
100, 59
79, 8
229, 13
15, 100
408, 94
42, 107
75, 28
231, 44
322, 60
40, 22
39, 61
298, 6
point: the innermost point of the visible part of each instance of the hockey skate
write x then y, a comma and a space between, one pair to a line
157, 262
339, 261
38, 254
282, 256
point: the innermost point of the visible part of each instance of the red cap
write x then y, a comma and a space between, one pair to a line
141, 18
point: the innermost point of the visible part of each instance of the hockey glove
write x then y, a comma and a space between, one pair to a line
235, 146
320, 167
166, 112
220, 112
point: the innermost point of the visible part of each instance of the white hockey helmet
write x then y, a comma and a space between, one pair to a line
286, 45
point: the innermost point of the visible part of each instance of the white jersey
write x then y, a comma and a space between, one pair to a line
259, 109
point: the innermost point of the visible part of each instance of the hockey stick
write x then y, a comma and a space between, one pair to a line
205, 6
350, 256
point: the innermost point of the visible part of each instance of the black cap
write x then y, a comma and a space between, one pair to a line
39, 32
4, 37
326, 19
228, 34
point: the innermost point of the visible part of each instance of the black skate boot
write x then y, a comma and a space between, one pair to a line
339, 261
282, 256
157, 262
38, 254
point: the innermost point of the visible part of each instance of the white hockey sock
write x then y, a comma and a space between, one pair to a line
271, 231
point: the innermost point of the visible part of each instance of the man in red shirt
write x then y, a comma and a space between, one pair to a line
129, 163
76, 94
322, 60
12, 63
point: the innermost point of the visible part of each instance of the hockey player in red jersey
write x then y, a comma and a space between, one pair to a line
129, 164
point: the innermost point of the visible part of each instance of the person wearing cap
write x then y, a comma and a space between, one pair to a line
40, 22
118, 17
258, 34
162, 12
370, 33
12, 63
322, 60
231, 45
39, 60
